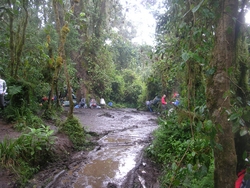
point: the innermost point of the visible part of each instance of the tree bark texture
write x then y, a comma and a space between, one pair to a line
242, 143
62, 33
218, 94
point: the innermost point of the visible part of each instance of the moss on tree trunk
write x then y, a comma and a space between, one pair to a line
218, 95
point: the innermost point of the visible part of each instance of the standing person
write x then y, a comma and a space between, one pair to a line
3, 89
163, 102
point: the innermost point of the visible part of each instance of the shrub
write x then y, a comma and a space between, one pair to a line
28, 153
184, 156
72, 127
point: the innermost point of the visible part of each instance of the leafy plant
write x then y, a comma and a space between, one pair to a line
72, 127
184, 155
27, 153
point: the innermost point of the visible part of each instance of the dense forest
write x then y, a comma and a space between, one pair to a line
56, 48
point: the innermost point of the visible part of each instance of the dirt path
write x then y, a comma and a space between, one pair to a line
117, 161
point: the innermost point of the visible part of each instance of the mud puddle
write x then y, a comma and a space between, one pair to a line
119, 151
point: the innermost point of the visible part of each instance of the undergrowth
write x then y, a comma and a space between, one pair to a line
25, 155
73, 128
184, 152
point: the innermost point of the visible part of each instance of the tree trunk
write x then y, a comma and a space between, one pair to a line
62, 32
17, 38
242, 143
218, 94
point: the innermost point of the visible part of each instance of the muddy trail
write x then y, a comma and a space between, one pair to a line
118, 160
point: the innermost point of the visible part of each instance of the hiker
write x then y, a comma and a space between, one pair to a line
3, 89
177, 101
175, 95
102, 102
92, 103
163, 102
148, 104
155, 100
241, 181
82, 103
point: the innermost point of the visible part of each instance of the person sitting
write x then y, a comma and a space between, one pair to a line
82, 103
92, 103
102, 102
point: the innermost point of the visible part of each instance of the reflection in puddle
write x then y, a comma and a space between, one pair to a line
108, 165
126, 164
102, 169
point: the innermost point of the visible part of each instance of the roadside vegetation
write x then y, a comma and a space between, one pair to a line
54, 49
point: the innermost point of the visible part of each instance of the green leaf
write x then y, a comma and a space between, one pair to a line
39, 148
242, 122
189, 166
244, 155
14, 89
197, 7
208, 125
243, 132
210, 71
185, 56
174, 166
234, 116
235, 128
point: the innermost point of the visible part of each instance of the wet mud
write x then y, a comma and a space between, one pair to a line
118, 160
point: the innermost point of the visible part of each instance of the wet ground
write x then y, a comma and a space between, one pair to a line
118, 159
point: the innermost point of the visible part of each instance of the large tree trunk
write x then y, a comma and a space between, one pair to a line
61, 59
18, 36
218, 94
242, 143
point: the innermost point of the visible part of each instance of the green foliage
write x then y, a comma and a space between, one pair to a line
154, 87
207, 181
28, 153
133, 88
183, 156
73, 128
124, 53
118, 87
38, 144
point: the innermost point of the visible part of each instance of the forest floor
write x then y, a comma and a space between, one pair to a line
64, 148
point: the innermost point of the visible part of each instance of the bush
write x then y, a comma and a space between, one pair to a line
73, 128
28, 153
183, 157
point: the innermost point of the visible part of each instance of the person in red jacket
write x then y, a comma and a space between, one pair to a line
242, 182
163, 102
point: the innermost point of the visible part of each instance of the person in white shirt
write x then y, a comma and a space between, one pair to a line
102, 102
3, 89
